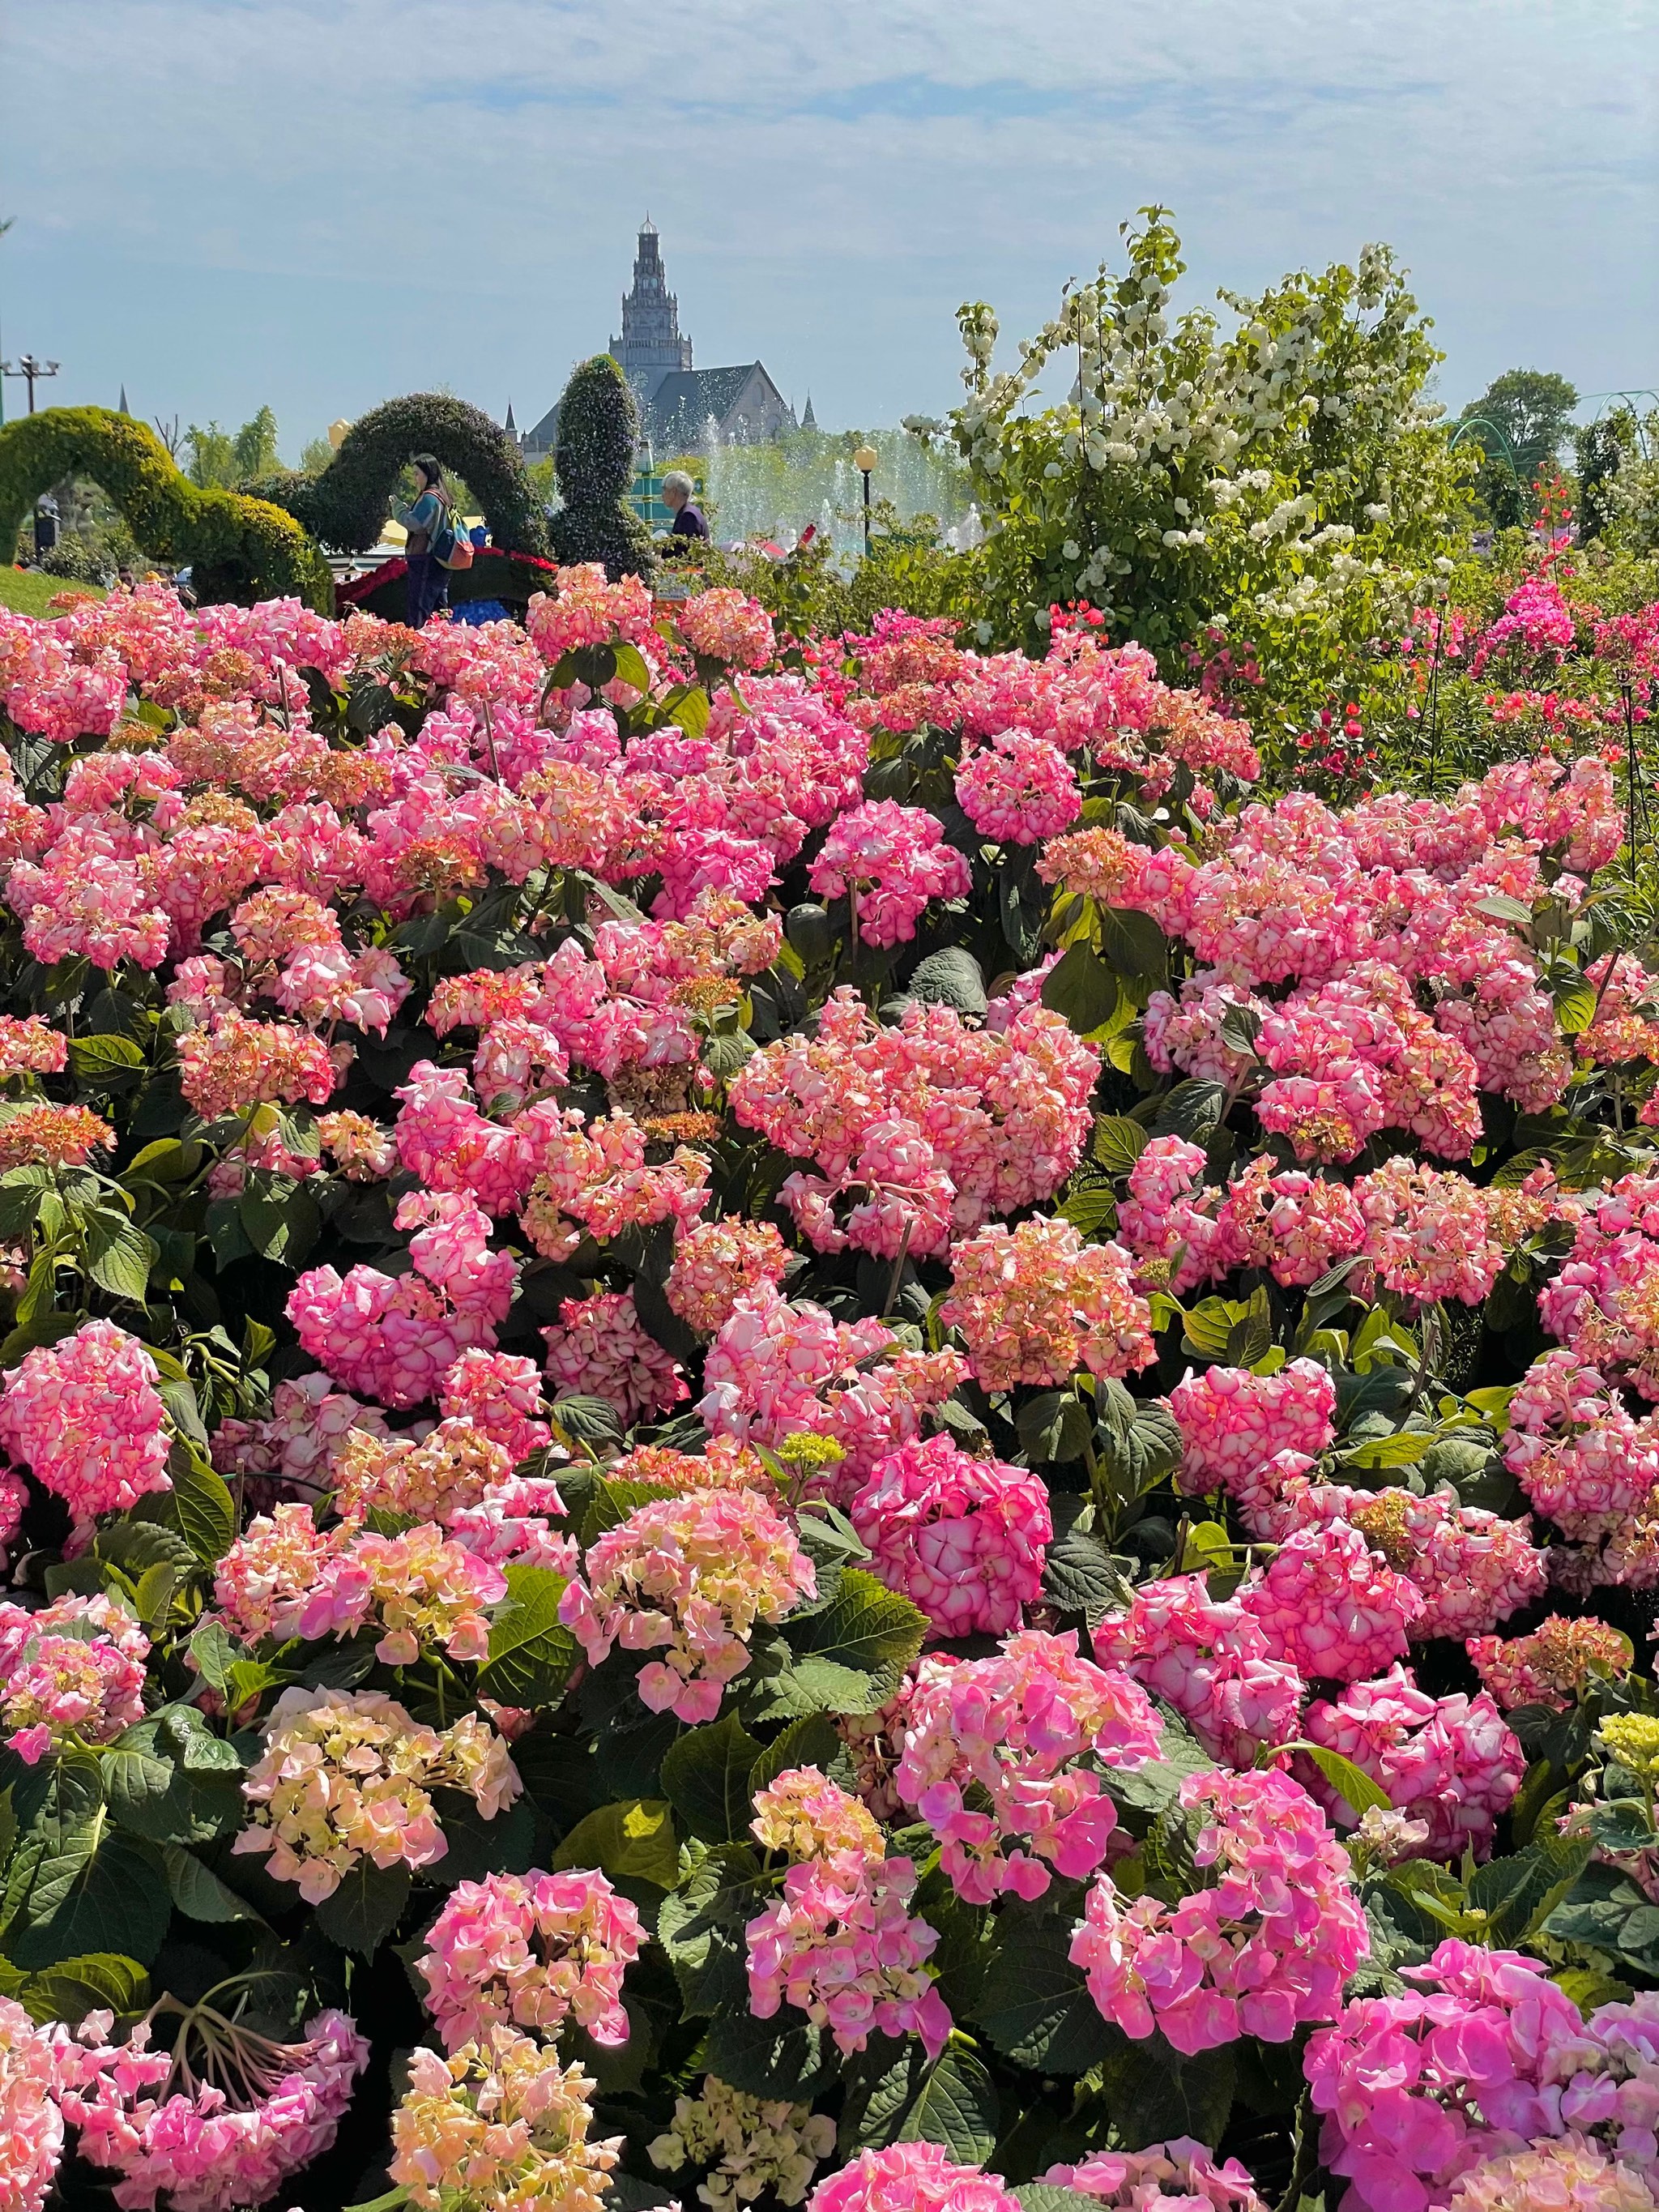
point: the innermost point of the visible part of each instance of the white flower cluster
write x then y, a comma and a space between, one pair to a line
749, 2145
1292, 458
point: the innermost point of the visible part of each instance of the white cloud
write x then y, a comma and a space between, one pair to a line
320, 201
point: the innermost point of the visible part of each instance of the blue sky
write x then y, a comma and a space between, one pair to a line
321, 203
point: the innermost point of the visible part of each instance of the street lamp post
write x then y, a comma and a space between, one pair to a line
32, 370
864, 460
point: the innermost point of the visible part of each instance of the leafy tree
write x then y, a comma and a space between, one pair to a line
314, 456
222, 460
1531, 409
212, 457
1286, 485
254, 447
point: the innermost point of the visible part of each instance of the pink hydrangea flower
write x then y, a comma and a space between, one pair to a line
1016, 1726
210, 2144
1211, 1660
1035, 1303
530, 1951
1331, 1606
84, 1417
841, 1946
688, 1577
73, 1672
1019, 790
1418, 2090
1560, 1658
599, 1349
964, 1538
1233, 1422
31, 2123
1179, 2176
1449, 1761
891, 861
1264, 1950
910, 2177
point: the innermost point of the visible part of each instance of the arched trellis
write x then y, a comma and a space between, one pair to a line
1632, 404
235, 547
1471, 423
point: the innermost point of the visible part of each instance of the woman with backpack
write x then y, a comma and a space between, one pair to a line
430, 524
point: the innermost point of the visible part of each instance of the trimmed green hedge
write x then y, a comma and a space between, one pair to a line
344, 506
598, 428
236, 548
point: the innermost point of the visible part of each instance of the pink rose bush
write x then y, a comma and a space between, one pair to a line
846, 1390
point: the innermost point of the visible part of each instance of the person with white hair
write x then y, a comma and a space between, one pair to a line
676, 490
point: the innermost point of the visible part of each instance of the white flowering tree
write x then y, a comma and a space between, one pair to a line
1284, 487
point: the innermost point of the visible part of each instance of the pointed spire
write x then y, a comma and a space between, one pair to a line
809, 421
123, 409
510, 426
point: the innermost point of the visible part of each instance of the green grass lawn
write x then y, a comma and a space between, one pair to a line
26, 591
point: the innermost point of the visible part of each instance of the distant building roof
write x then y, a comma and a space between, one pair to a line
687, 398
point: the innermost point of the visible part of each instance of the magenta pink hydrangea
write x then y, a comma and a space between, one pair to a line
84, 1416
1016, 1727
1450, 1762
1264, 1949
1210, 1660
689, 1578
841, 1946
910, 2177
963, 1538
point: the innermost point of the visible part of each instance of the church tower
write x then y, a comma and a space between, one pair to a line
650, 347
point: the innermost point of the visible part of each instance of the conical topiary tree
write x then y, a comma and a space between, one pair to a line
598, 424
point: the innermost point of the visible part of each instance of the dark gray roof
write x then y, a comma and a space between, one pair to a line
684, 402
545, 434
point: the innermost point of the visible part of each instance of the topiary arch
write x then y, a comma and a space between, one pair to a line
235, 547
344, 506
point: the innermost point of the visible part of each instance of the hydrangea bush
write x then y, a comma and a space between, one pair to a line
808, 1419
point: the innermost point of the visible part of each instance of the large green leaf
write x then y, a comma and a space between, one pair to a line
1034, 2004
532, 1653
366, 1907
1134, 944
281, 1223
705, 1776
785, 2056
203, 1502
118, 1256
198, 1892
172, 1783
1605, 1911
810, 1740
68, 1992
1082, 988
633, 1839
956, 2106
76, 1885
701, 1928
867, 1630
1154, 2094
104, 1063
1119, 1142
1080, 1573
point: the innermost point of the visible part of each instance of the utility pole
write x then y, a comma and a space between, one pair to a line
32, 369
